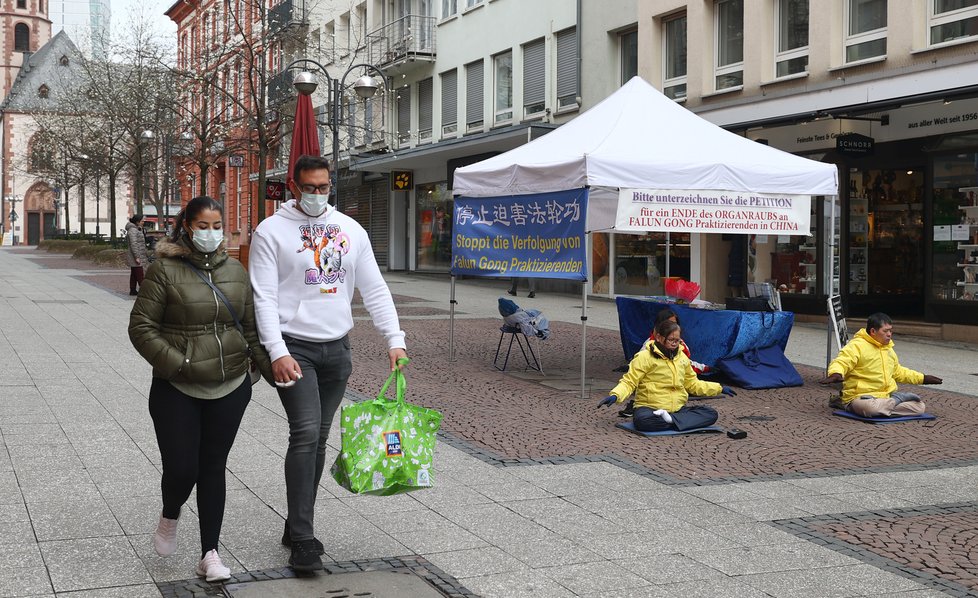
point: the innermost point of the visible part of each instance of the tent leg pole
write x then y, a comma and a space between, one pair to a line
831, 269
451, 325
583, 339
668, 246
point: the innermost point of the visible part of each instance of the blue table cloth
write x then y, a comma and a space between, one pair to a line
710, 334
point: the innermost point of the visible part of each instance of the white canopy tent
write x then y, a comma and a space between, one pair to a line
637, 138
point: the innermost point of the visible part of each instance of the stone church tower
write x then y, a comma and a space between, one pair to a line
24, 28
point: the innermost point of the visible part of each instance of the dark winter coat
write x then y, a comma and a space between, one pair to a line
181, 327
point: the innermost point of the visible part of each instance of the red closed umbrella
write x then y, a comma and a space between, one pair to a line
305, 137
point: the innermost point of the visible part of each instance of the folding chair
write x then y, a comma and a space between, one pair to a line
515, 334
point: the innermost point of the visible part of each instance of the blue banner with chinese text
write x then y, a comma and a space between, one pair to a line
532, 236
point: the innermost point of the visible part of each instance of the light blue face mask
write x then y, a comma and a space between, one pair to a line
207, 240
314, 204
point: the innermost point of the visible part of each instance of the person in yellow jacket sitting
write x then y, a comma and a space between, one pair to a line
869, 371
662, 379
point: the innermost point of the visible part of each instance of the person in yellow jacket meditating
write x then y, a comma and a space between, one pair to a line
662, 379
869, 371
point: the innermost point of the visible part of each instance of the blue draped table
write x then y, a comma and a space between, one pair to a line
711, 335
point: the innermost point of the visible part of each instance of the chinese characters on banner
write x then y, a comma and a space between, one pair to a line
531, 236
712, 212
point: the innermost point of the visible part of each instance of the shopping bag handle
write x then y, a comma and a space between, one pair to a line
401, 383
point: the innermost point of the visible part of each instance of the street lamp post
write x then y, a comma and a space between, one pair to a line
98, 204
81, 158
145, 138
305, 82
13, 200
57, 210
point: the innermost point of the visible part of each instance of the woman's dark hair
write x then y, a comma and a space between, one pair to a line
664, 316
666, 327
136, 218
190, 212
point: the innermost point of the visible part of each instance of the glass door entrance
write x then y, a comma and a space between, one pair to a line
885, 242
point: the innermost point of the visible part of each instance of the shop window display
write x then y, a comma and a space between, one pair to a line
433, 218
885, 232
794, 263
640, 262
955, 248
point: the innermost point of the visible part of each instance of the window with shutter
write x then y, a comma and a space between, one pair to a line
628, 46
474, 96
865, 28
951, 20
674, 57
22, 38
404, 114
534, 78
728, 65
449, 103
503, 87
425, 100
368, 120
351, 123
791, 55
567, 68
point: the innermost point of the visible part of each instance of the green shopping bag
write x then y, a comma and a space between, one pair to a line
387, 447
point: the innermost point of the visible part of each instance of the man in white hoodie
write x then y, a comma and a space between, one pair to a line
305, 262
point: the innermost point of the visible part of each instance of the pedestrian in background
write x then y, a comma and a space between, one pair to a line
136, 255
532, 282
194, 322
306, 260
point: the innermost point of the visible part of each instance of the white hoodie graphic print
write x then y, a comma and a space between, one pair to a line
328, 245
304, 271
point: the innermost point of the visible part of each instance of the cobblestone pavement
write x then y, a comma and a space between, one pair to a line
536, 492
791, 432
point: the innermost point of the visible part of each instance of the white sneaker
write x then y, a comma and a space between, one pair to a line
212, 569
165, 538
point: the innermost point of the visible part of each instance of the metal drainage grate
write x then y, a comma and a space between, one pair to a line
373, 578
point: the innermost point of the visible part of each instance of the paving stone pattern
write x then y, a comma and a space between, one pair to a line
791, 431
541, 524
937, 546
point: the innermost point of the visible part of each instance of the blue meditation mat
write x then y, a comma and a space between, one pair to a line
631, 428
883, 420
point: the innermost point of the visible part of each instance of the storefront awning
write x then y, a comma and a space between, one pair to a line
840, 99
425, 156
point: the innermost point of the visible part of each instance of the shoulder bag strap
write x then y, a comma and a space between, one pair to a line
220, 295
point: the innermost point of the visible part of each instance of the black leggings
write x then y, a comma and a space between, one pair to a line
195, 437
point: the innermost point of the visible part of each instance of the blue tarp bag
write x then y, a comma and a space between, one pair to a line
760, 368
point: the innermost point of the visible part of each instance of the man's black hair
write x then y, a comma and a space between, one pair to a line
308, 162
877, 321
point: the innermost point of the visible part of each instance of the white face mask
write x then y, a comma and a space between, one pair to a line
207, 240
313, 204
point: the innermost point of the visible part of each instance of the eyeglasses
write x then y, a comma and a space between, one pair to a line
320, 189
671, 341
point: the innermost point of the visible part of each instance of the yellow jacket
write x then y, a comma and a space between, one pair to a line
870, 369
662, 383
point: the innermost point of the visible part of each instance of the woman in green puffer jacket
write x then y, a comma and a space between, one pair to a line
201, 357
